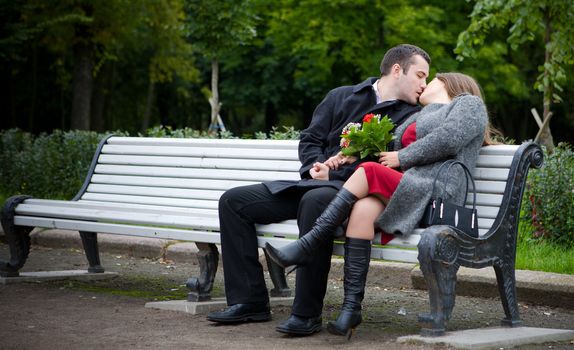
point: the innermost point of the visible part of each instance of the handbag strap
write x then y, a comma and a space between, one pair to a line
448, 164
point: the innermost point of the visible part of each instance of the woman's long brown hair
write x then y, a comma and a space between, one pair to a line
458, 83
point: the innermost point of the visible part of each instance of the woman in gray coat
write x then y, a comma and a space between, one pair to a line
393, 193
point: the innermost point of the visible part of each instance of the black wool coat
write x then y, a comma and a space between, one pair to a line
321, 140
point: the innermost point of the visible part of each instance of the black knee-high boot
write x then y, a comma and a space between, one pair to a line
299, 251
357, 258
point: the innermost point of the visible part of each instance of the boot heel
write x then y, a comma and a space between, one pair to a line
350, 333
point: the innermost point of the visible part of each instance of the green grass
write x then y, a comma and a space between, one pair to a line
146, 287
540, 255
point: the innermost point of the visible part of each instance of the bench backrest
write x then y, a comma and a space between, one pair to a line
193, 173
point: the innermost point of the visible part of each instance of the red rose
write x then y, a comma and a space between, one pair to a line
367, 118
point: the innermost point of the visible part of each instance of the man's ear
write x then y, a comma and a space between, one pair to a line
396, 70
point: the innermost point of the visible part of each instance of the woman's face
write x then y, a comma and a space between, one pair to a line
435, 92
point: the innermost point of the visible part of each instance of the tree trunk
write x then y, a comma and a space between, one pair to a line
214, 99
82, 88
149, 101
99, 98
546, 138
33, 90
110, 122
270, 116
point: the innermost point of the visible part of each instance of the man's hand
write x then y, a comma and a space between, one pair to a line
339, 159
390, 159
319, 171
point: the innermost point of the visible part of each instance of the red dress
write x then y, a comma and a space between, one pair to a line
383, 180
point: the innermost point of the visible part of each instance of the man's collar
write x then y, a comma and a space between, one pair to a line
367, 84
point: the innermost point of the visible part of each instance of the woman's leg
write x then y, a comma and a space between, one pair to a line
357, 184
363, 215
360, 232
299, 252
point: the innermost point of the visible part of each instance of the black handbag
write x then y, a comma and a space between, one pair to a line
439, 212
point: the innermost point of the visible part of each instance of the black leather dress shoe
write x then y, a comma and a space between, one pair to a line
296, 325
241, 313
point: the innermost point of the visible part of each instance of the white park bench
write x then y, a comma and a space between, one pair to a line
169, 188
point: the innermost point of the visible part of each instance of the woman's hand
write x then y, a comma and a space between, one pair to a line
390, 159
319, 171
339, 159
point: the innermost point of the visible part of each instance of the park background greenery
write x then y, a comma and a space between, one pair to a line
131, 65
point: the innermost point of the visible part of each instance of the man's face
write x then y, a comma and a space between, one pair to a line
411, 85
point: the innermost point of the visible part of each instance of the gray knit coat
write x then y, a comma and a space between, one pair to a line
443, 131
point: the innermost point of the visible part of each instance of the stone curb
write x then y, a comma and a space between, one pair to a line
533, 287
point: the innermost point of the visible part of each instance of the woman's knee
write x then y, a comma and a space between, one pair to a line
368, 207
363, 216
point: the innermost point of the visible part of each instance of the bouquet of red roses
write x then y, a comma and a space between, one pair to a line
367, 139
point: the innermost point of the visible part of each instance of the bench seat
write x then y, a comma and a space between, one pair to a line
170, 188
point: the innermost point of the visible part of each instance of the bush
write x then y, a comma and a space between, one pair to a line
48, 166
549, 197
55, 165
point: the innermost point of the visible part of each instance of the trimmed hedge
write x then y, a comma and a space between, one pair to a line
55, 165
548, 201
47, 166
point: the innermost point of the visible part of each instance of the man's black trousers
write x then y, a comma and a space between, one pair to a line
240, 209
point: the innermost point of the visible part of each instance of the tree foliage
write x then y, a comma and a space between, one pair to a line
152, 61
547, 21
217, 27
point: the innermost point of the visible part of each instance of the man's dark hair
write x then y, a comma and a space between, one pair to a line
402, 54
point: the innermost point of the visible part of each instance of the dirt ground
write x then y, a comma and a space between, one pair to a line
110, 314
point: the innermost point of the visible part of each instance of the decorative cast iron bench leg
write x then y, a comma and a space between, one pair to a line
18, 238
90, 243
505, 276
277, 274
201, 287
438, 252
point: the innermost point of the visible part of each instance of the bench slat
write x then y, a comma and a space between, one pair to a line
487, 212
401, 241
180, 221
485, 199
125, 207
156, 191
487, 174
126, 230
494, 161
168, 202
168, 182
259, 176
505, 150
203, 163
206, 152
494, 187
219, 143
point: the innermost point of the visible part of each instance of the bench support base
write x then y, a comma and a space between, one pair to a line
90, 243
438, 254
277, 274
200, 288
18, 238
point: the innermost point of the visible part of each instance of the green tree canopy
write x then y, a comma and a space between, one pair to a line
547, 21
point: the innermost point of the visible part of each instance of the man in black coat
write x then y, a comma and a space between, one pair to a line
404, 70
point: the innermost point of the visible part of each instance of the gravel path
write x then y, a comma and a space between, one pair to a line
110, 314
